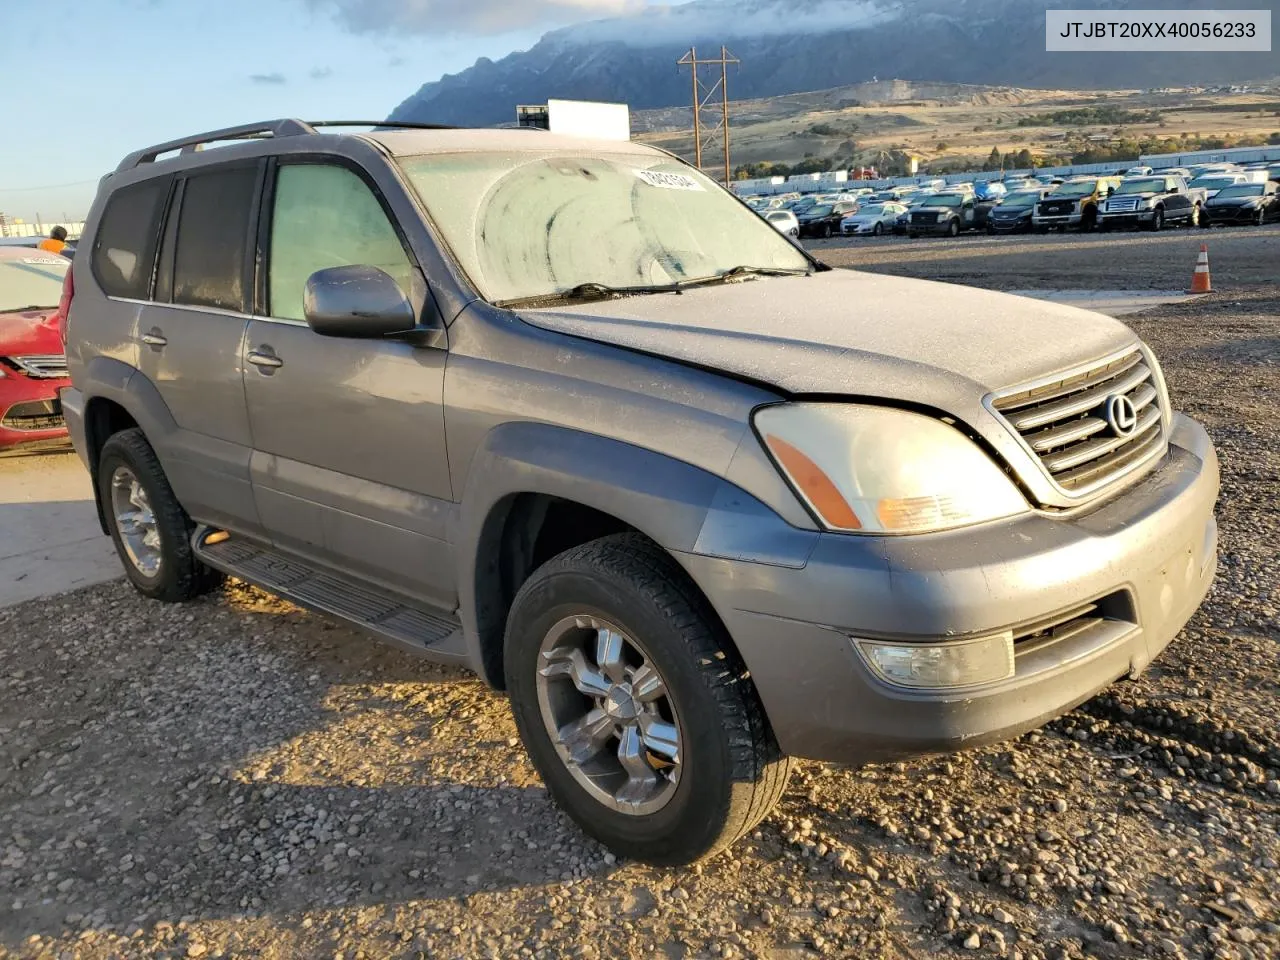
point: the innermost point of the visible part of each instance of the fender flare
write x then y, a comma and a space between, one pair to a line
665, 499
106, 378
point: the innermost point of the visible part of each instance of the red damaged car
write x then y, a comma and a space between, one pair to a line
32, 362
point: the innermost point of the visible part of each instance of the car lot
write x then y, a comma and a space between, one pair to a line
239, 778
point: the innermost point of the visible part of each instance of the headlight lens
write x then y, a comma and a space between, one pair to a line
940, 217
879, 470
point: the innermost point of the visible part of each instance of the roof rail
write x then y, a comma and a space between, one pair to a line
275, 128
392, 124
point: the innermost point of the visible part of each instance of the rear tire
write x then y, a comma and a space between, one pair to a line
728, 772
154, 540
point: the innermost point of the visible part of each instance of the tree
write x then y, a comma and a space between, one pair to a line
994, 160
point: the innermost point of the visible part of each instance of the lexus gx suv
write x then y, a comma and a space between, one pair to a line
568, 413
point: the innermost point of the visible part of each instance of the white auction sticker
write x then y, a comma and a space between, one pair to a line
669, 181
52, 260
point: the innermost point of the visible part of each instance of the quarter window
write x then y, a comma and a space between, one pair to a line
213, 232
125, 250
326, 216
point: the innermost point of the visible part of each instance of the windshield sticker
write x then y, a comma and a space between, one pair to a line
669, 181
54, 260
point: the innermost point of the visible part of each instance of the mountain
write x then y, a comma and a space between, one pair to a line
802, 45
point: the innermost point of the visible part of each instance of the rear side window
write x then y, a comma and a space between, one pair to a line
213, 234
124, 251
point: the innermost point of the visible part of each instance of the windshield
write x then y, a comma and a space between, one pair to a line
1213, 183
534, 224
34, 281
1147, 185
1243, 190
871, 210
779, 215
1082, 189
945, 200
819, 210
1021, 199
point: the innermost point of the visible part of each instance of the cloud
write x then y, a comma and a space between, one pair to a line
321, 73
399, 62
473, 17
269, 79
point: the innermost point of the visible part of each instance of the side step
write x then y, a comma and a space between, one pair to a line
431, 634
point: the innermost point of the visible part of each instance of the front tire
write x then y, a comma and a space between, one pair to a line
634, 705
1157, 221
877, 229
953, 229
151, 531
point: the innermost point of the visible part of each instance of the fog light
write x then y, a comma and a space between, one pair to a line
960, 663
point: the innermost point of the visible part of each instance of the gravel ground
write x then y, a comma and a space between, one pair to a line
239, 778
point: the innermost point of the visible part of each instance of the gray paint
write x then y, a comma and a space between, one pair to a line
388, 459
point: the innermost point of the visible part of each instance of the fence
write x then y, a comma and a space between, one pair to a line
21, 229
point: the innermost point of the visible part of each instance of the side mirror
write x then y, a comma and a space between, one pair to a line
356, 301
1175, 189
1110, 191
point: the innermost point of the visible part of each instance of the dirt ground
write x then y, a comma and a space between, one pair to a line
239, 778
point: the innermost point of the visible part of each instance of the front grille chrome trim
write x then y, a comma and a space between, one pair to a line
1060, 420
39, 366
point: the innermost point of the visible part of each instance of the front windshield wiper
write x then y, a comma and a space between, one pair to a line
735, 273
592, 290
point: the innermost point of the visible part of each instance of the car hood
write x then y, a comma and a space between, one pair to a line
29, 332
932, 208
850, 333
1215, 201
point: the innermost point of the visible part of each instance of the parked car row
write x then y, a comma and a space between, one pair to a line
1200, 195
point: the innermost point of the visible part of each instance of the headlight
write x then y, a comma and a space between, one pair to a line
940, 217
879, 470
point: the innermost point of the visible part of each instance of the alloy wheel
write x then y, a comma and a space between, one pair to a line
609, 714
136, 521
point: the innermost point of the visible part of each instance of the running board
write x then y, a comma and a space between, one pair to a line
431, 634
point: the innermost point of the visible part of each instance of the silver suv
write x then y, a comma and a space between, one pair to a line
570, 414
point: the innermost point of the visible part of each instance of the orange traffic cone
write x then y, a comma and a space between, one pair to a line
1200, 279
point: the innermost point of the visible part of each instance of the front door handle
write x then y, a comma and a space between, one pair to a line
153, 338
261, 359
266, 360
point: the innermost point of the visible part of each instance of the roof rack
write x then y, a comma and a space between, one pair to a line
267, 128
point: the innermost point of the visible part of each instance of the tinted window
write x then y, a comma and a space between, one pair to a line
213, 230
326, 216
124, 250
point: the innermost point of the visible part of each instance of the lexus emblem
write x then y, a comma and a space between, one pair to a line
1121, 415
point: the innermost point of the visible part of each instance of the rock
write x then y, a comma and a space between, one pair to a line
973, 941
1001, 915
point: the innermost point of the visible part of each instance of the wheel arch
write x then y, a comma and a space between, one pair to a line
534, 490
118, 397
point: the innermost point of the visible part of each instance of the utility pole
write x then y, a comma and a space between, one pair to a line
703, 134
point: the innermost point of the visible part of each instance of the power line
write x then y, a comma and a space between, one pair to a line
52, 186
702, 95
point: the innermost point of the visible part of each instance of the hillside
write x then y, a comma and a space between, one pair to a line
791, 47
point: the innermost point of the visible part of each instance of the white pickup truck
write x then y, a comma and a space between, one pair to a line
1152, 202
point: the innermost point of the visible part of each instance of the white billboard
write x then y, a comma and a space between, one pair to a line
583, 118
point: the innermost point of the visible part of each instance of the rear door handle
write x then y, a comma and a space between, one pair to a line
261, 359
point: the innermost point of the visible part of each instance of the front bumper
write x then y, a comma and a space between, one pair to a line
1058, 219
30, 413
1150, 552
930, 229
1230, 214
1126, 219
1008, 226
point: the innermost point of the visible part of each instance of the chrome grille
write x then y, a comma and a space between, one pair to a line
41, 366
1123, 206
1066, 424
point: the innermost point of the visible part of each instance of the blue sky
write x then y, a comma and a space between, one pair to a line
109, 76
